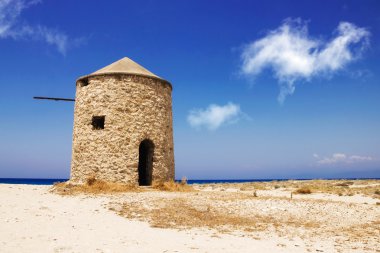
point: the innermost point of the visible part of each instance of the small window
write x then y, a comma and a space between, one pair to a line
98, 122
83, 82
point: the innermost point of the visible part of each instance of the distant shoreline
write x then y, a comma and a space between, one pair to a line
51, 181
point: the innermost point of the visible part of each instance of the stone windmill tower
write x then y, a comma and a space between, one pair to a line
123, 126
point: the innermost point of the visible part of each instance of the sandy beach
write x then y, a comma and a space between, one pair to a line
249, 217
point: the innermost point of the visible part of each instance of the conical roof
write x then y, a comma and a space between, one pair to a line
124, 66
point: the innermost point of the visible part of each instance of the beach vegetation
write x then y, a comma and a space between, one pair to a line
368, 187
173, 186
303, 190
196, 211
344, 184
93, 185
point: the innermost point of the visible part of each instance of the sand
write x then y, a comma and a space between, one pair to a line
32, 219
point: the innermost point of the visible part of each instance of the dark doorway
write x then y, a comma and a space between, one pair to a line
146, 151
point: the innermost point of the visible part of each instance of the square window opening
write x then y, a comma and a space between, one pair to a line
98, 122
83, 82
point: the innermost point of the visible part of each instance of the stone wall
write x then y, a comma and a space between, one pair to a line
135, 108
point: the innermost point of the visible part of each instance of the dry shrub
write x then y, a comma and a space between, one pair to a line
377, 192
172, 186
344, 184
92, 186
183, 180
303, 190
91, 180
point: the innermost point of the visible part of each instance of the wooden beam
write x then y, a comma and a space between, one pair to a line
55, 99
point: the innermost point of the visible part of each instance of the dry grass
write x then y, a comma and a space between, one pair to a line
92, 186
338, 187
363, 234
303, 190
100, 187
345, 184
173, 186
238, 209
178, 213
181, 213
369, 188
240, 212
95, 186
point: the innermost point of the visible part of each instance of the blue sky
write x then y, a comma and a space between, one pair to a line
262, 89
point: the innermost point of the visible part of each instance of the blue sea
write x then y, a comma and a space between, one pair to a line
51, 181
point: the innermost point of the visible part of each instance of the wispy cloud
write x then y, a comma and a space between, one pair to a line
293, 55
342, 158
214, 116
12, 27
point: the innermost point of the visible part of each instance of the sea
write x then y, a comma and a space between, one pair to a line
51, 181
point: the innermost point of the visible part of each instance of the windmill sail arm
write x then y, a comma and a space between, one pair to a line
55, 99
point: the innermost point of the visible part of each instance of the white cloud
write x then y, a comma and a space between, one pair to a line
342, 158
293, 55
11, 27
214, 116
